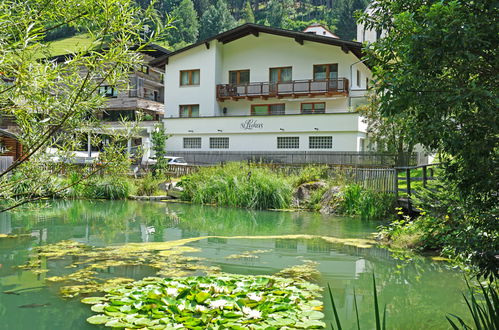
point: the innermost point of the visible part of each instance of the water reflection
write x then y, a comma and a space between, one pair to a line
413, 291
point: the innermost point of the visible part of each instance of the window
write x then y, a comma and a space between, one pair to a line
310, 108
219, 143
144, 69
189, 77
358, 78
320, 142
239, 77
284, 74
192, 143
267, 109
288, 142
118, 115
325, 71
108, 91
190, 110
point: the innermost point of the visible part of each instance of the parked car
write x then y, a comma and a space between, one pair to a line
171, 161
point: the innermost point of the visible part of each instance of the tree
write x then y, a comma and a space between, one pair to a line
54, 103
247, 15
388, 133
185, 22
278, 11
215, 20
345, 14
438, 67
159, 137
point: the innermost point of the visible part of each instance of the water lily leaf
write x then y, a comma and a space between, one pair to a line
98, 308
314, 315
118, 324
93, 300
202, 297
98, 319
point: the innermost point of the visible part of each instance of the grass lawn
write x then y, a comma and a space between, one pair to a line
68, 45
415, 185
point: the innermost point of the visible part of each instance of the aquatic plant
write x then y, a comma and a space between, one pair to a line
109, 188
368, 204
483, 307
380, 321
147, 185
237, 185
223, 302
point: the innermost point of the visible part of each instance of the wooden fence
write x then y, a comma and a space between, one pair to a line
428, 173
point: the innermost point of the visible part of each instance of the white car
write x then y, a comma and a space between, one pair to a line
171, 161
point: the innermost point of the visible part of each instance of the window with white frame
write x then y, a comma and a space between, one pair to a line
219, 143
192, 143
288, 142
320, 142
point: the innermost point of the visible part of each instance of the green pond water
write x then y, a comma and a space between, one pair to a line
417, 292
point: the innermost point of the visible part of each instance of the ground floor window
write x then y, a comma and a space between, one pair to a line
267, 109
192, 143
219, 143
189, 110
288, 142
313, 107
320, 142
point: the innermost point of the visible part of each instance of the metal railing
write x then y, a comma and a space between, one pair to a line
291, 88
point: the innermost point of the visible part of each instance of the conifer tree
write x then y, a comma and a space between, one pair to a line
247, 14
345, 13
216, 19
186, 24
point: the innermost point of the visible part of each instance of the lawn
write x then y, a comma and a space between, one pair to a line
69, 45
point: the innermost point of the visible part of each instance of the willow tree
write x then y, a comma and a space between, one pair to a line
53, 102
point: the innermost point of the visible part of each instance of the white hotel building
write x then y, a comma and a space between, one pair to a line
260, 89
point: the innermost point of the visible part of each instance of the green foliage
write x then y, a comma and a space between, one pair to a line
159, 137
186, 24
453, 100
226, 301
147, 185
108, 188
216, 19
312, 173
247, 15
368, 204
346, 22
483, 307
380, 321
237, 185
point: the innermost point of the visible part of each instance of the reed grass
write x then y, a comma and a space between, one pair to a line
238, 185
368, 204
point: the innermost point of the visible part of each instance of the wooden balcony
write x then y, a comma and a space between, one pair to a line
295, 88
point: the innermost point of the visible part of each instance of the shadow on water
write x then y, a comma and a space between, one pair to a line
418, 292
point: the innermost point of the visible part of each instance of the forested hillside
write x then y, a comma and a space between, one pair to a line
199, 19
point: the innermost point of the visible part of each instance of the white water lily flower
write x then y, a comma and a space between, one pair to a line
218, 303
219, 289
181, 307
254, 296
252, 313
172, 292
201, 308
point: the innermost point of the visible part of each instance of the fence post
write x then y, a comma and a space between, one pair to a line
425, 178
408, 180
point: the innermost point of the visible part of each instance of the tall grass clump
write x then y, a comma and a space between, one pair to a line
109, 188
368, 204
147, 185
237, 185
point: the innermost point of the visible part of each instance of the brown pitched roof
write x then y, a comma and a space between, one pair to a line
254, 29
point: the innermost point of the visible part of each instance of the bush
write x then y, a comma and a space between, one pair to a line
311, 173
147, 185
235, 184
368, 204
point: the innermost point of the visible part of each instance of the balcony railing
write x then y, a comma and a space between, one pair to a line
141, 95
281, 89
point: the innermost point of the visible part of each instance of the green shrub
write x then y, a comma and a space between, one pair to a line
147, 185
311, 173
368, 204
238, 185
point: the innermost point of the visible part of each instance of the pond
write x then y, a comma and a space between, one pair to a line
418, 292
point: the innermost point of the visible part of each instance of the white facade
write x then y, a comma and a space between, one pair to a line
368, 35
231, 116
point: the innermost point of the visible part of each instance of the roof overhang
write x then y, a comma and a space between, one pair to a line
255, 29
